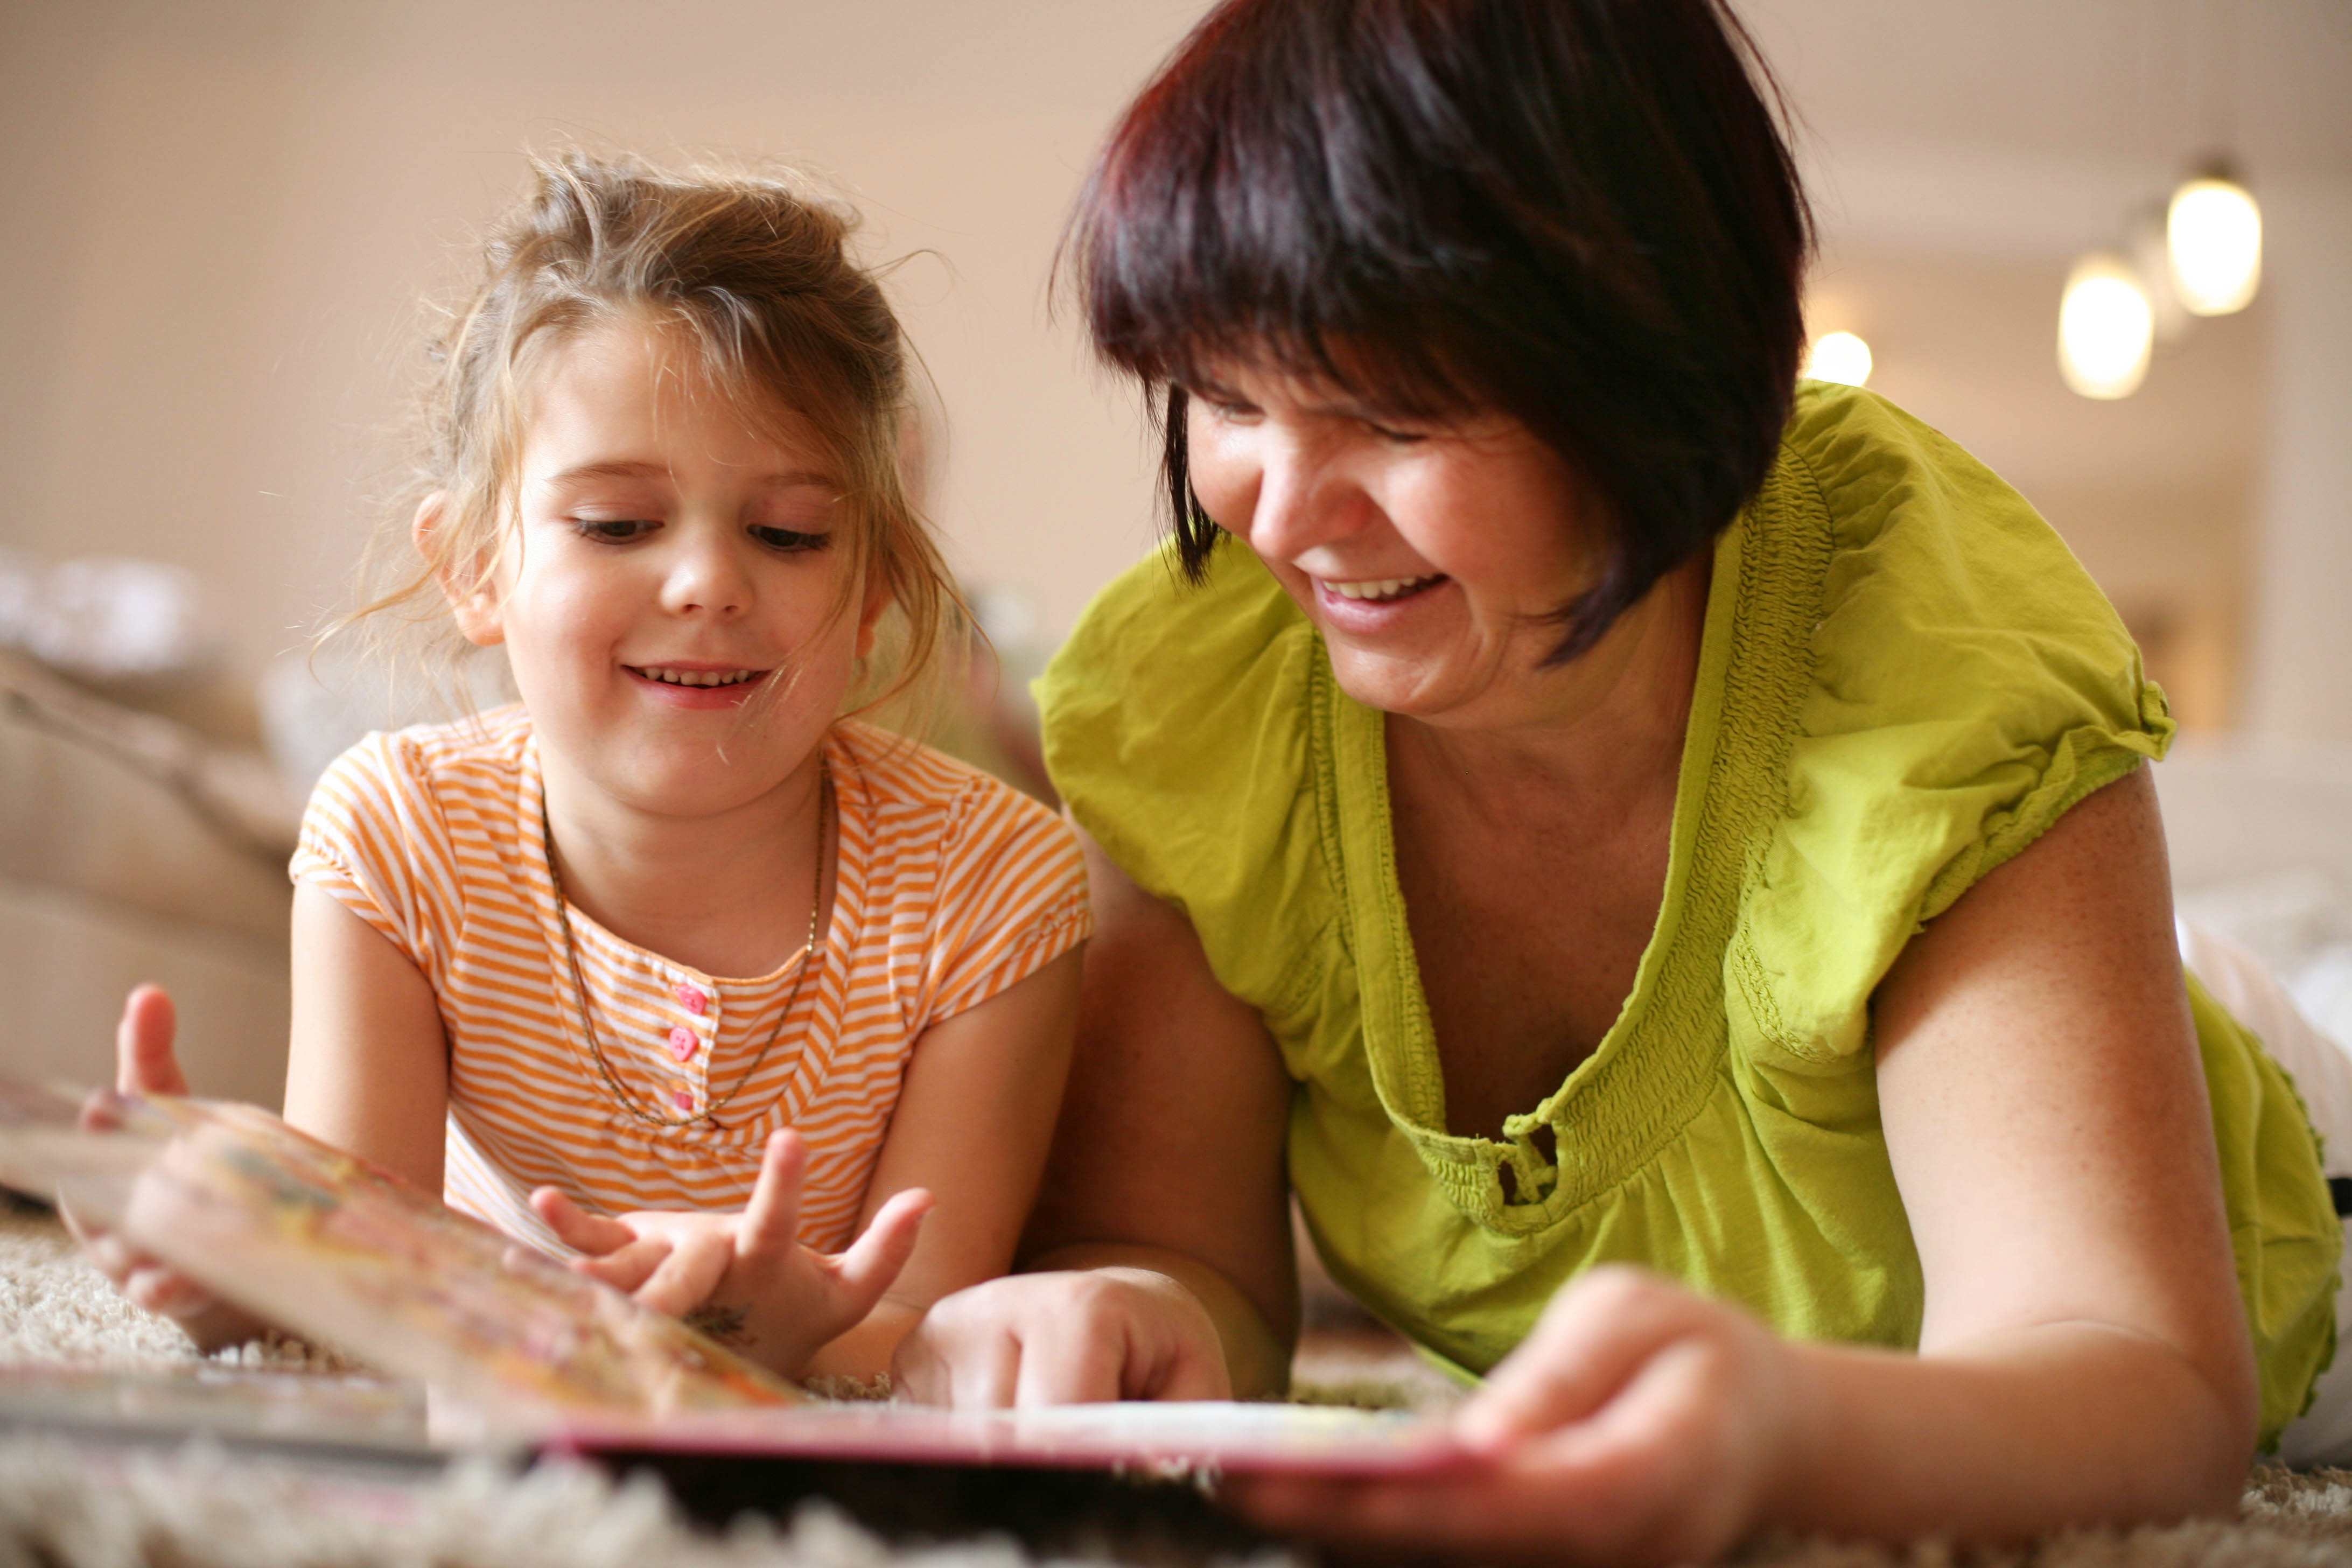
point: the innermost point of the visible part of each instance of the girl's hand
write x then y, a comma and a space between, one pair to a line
1068, 1337
145, 1063
1639, 1423
749, 1281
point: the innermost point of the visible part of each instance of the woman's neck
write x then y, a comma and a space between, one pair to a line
727, 893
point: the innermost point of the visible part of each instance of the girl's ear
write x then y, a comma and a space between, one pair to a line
473, 602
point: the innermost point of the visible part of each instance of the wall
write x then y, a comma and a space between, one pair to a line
220, 215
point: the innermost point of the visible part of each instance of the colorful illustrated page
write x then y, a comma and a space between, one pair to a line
338, 1251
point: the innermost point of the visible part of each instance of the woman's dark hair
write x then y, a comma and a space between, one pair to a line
1579, 213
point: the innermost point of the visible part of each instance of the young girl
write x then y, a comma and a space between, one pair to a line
670, 964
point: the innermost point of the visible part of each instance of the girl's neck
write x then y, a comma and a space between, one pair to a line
728, 893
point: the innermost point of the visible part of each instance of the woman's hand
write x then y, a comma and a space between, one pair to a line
746, 1277
1065, 1337
145, 1063
1639, 1423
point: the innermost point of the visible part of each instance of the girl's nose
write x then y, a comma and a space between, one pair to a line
705, 577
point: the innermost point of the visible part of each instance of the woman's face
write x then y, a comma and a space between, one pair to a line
1430, 556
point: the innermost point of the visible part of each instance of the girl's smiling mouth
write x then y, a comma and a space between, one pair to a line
681, 675
692, 685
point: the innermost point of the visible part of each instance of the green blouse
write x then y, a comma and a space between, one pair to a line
1905, 678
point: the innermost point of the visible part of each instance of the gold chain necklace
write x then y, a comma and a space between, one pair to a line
613, 1084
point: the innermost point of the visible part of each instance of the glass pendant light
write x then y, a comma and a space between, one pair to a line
2213, 234
2105, 327
1840, 357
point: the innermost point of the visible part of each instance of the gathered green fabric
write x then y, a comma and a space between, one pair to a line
1905, 678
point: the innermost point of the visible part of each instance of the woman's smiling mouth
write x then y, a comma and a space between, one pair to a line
1380, 589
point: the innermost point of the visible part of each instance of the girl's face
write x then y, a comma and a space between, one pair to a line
667, 598
1429, 556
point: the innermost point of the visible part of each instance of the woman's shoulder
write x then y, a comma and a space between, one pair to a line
1176, 716
1942, 584
1955, 682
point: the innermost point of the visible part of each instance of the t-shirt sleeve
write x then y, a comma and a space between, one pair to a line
373, 838
1969, 684
1011, 897
1179, 726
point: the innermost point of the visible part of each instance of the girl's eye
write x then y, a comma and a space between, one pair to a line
790, 541
613, 530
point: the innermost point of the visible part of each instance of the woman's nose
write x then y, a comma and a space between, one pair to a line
1301, 503
706, 578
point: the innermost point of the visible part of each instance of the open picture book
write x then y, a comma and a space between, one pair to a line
512, 1347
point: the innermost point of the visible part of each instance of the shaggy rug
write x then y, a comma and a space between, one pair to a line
70, 1501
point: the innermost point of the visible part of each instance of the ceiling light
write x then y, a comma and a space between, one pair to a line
1839, 357
2214, 234
2104, 328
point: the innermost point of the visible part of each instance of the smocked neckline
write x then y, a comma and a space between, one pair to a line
1654, 1068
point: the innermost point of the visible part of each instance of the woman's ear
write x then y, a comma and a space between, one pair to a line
473, 599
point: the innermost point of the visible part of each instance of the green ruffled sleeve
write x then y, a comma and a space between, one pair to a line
1969, 683
1176, 727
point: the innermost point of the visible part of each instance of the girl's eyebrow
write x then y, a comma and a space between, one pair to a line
618, 470
627, 468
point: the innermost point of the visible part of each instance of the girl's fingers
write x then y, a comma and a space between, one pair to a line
772, 1217
874, 1258
166, 1291
594, 1235
144, 1062
628, 1269
686, 1277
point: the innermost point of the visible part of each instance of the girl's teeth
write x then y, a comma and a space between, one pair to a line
698, 677
1379, 588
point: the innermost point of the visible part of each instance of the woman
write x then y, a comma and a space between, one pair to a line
1562, 804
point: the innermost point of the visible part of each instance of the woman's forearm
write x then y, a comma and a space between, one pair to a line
2010, 1436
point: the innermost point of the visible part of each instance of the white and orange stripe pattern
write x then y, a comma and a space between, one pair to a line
950, 888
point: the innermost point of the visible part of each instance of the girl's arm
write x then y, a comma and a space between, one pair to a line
974, 1119
2084, 1357
368, 1068
1163, 1234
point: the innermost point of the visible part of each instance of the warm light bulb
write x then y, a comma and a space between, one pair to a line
2104, 328
1840, 357
2214, 233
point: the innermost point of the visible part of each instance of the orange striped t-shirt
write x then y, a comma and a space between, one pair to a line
950, 888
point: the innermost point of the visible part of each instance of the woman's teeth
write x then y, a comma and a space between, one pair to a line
698, 677
1380, 588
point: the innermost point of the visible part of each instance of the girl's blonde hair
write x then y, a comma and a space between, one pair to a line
753, 270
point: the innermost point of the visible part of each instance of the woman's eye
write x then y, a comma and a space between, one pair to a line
790, 541
613, 530
1394, 437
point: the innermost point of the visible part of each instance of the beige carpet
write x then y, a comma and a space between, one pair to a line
64, 1504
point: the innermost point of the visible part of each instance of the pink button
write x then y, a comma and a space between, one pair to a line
682, 1098
693, 999
683, 1043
